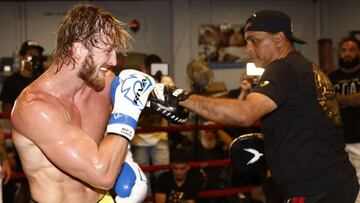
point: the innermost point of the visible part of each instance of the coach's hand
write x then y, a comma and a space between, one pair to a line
129, 93
164, 99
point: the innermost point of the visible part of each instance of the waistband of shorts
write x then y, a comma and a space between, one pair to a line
107, 198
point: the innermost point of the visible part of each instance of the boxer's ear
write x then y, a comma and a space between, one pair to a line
77, 49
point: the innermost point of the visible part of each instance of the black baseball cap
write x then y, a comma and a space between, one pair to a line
30, 44
272, 21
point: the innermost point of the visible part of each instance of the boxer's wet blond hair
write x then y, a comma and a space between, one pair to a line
85, 23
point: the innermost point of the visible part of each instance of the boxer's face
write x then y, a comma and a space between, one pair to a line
349, 55
260, 47
96, 62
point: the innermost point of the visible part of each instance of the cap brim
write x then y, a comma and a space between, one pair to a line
298, 40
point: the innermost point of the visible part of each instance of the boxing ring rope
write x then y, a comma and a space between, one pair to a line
196, 164
202, 164
18, 176
4, 115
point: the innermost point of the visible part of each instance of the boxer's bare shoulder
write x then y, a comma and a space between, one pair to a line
39, 108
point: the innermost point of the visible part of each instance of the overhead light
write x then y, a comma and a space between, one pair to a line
7, 68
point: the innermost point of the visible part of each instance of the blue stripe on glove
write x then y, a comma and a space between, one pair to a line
120, 118
114, 84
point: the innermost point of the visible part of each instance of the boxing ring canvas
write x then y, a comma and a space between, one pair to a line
222, 46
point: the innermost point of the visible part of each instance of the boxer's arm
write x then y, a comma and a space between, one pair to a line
231, 111
66, 145
55, 131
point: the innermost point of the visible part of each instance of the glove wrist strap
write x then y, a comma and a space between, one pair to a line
122, 125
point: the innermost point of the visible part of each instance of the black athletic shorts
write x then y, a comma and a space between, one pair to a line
344, 194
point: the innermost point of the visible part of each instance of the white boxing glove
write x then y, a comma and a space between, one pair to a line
129, 93
131, 184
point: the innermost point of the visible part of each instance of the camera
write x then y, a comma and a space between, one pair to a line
37, 63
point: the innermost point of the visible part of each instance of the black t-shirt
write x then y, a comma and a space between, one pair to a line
215, 177
217, 152
174, 194
304, 145
12, 87
345, 84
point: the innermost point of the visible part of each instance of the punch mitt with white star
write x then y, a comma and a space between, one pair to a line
246, 153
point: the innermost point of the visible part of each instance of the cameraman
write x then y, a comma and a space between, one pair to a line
30, 56
31, 66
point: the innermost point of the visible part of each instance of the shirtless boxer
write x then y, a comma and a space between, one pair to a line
61, 119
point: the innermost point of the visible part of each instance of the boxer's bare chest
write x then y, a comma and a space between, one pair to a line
92, 114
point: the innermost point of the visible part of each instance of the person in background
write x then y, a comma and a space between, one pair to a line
346, 80
152, 148
5, 165
180, 184
31, 66
12, 186
213, 144
246, 84
159, 76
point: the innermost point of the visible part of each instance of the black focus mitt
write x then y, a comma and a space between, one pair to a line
246, 153
164, 99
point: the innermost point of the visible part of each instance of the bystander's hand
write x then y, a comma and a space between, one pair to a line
6, 169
